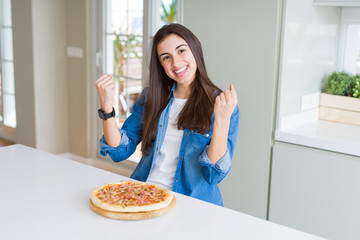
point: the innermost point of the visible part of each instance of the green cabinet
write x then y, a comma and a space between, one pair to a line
315, 191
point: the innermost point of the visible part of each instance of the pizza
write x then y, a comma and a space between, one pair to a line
130, 197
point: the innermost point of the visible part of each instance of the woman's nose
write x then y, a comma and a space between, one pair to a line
176, 61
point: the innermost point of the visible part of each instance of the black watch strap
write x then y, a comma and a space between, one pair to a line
103, 115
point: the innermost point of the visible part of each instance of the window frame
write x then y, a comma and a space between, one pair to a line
6, 132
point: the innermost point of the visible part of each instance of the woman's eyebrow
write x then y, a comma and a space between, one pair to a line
181, 45
163, 54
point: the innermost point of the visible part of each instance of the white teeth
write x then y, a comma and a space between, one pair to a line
181, 70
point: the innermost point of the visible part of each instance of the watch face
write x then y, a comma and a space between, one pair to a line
104, 115
101, 114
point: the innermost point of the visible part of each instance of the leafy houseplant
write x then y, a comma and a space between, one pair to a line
356, 89
340, 83
169, 15
341, 102
125, 46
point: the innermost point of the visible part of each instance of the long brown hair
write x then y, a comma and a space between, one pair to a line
198, 110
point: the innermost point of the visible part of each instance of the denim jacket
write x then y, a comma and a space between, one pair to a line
195, 174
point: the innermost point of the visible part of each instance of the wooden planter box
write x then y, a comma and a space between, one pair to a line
339, 109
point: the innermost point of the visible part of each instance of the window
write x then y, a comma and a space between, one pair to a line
352, 49
128, 28
350, 41
7, 84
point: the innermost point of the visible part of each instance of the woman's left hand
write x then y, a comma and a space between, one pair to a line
225, 104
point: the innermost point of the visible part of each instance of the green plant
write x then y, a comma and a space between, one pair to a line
169, 15
125, 47
340, 83
356, 89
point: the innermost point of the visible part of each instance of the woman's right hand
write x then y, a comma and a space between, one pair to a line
105, 88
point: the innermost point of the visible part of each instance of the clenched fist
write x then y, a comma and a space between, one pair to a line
105, 88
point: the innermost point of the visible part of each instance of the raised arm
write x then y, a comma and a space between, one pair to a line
105, 88
225, 104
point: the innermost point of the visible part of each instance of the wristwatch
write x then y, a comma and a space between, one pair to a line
103, 115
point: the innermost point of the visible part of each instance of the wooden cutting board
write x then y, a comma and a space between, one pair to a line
131, 215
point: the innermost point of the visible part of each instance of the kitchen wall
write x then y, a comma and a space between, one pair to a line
80, 87
51, 83
24, 72
40, 73
241, 46
53, 94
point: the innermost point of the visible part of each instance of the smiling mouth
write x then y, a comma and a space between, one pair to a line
181, 70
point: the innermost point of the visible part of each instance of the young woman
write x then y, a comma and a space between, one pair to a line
186, 125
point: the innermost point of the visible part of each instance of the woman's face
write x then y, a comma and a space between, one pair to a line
177, 60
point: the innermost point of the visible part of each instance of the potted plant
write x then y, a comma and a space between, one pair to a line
356, 89
126, 46
169, 15
340, 102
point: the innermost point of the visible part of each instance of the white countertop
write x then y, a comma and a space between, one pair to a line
332, 136
44, 196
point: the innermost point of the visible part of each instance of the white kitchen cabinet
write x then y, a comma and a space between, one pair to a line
315, 191
315, 168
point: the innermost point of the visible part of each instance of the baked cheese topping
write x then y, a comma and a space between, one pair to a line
131, 194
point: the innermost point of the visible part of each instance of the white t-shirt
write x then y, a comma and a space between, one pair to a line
164, 167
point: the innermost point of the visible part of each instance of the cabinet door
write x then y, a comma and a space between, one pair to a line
315, 191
